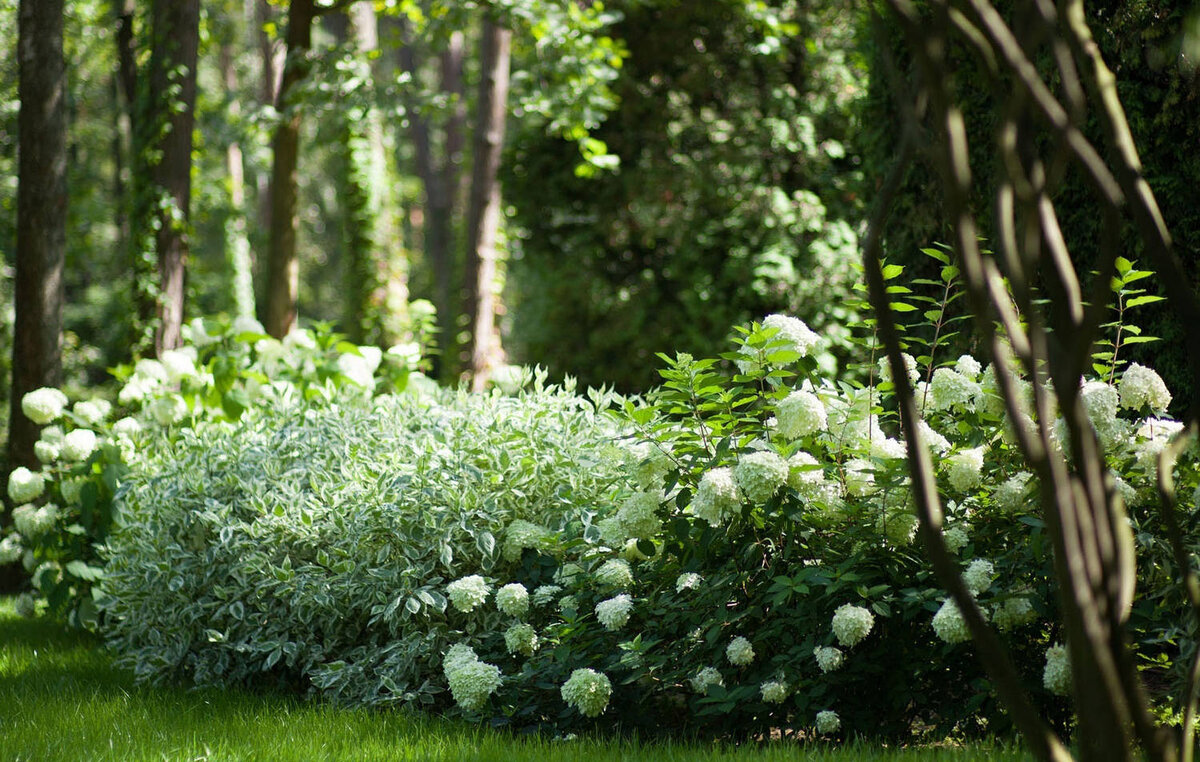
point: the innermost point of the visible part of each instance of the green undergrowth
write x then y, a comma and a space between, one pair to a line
60, 699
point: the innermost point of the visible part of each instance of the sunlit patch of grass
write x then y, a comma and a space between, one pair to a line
60, 699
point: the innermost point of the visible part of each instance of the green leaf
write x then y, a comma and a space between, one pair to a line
1138, 301
81, 570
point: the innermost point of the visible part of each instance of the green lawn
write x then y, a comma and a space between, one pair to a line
61, 700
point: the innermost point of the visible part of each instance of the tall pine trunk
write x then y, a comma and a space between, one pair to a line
175, 28
41, 215
483, 219
283, 272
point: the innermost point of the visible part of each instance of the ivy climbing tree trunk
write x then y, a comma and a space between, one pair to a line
41, 215
175, 30
483, 218
283, 272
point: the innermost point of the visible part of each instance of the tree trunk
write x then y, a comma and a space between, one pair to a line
283, 273
483, 220
237, 244
41, 216
175, 28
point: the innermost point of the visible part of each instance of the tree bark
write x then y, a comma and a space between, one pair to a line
237, 243
483, 220
175, 28
41, 216
283, 273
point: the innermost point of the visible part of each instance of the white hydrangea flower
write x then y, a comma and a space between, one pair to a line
1013, 613
545, 594
828, 722
10, 548
1129, 494
888, 448
910, 365
25, 486
179, 364
78, 445
979, 574
707, 676
799, 337
587, 691
949, 624
851, 624
357, 369
151, 370
169, 409
468, 593
956, 539
92, 412
773, 691
1056, 675
46, 452
615, 572
32, 521
638, 515
44, 405
717, 496
739, 652
614, 612
951, 390
850, 420
53, 435
687, 581
127, 427
964, 469
804, 473
568, 605
829, 658
859, 477
968, 367
651, 465
521, 639
760, 475
800, 414
513, 599
1159, 428
520, 535
899, 527
933, 439
1011, 496
1141, 388
471, 681
1101, 402
373, 356
568, 573
136, 389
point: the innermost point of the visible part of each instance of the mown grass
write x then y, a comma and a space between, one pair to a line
60, 699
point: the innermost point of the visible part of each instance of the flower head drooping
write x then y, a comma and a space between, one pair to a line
638, 515
716, 496
1141, 387
706, 677
1056, 675
773, 691
513, 599
851, 624
978, 576
615, 572
78, 445
471, 681
468, 593
588, 691
828, 722
799, 414
964, 469
760, 474
521, 639
739, 652
44, 405
613, 613
687, 581
829, 658
25, 486
799, 337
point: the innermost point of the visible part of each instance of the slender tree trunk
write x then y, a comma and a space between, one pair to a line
483, 220
452, 156
237, 244
176, 35
283, 273
41, 215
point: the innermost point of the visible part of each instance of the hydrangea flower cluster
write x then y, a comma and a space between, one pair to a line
587, 691
964, 469
805, 474
545, 594
615, 572
799, 414
471, 681
1012, 613
949, 625
520, 535
468, 593
828, 722
651, 465
773, 691
760, 474
1056, 675
44, 405
92, 412
799, 337
717, 496
521, 639
951, 390
829, 658
78, 445
956, 539
613, 612
1010, 496
10, 548
859, 477
852, 624
739, 652
513, 599
32, 521
25, 486
637, 515
979, 574
707, 676
687, 581
1141, 387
